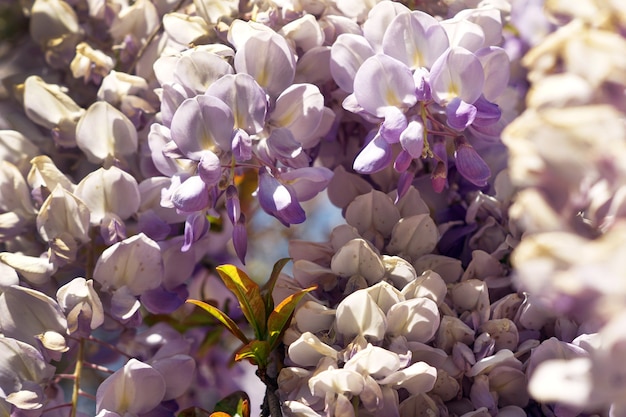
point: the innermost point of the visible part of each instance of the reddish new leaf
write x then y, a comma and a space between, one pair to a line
248, 294
281, 316
223, 318
257, 351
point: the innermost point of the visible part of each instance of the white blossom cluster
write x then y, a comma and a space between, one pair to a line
399, 330
567, 155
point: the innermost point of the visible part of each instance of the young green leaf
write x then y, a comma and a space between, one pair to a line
248, 294
236, 404
268, 288
257, 351
223, 318
281, 316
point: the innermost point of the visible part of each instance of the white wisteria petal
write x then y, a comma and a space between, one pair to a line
429, 284
44, 173
79, 297
399, 271
339, 381
566, 381
305, 32
48, 106
115, 137
21, 367
107, 191
27, 314
8, 276
416, 319
308, 349
185, 29
52, 20
214, 10
17, 149
299, 108
134, 389
14, 193
359, 315
374, 361
36, 270
313, 317
63, 213
384, 295
135, 262
417, 378
373, 213
358, 258
413, 237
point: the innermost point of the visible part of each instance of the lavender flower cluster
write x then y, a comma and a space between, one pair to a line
475, 148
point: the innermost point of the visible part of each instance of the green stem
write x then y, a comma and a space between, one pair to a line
77, 374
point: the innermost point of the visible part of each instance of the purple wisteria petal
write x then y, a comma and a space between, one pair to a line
192, 195
196, 226
470, 164
487, 113
346, 57
383, 81
157, 138
299, 108
282, 146
202, 123
375, 156
404, 184
415, 38
267, 58
460, 114
439, 176
496, 65
379, 19
456, 73
307, 182
422, 87
172, 97
233, 207
163, 301
240, 238
209, 168
135, 389
394, 124
279, 200
245, 98
403, 161
463, 33
242, 145
412, 139
198, 69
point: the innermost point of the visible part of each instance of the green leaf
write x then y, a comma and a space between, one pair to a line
268, 288
236, 404
223, 318
248, 294
281, 316
257, 351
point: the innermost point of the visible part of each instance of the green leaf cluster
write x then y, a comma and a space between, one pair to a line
268, 322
